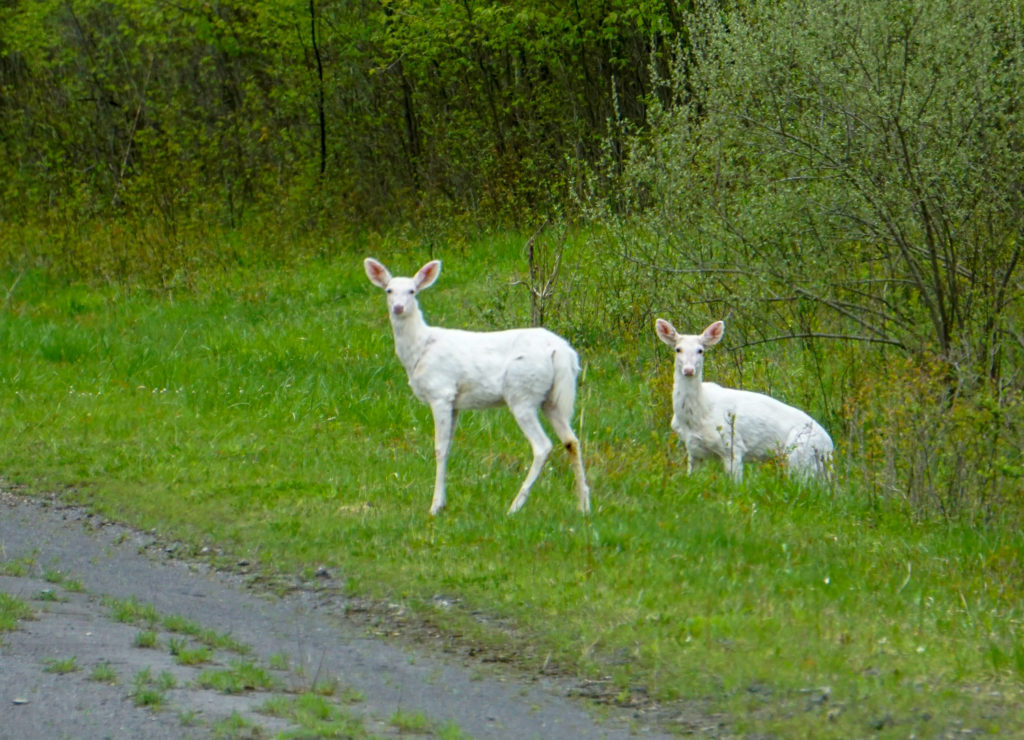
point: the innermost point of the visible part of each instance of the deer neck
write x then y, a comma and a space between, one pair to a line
688, 396
412, 335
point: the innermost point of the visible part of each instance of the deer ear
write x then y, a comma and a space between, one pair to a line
427, 274
666, 332
377, 273
713, 333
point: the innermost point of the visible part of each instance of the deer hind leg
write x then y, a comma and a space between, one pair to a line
732, 461
444, 429
804, 456
526, 417
560, 424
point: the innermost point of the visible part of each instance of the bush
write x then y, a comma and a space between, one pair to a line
847, 176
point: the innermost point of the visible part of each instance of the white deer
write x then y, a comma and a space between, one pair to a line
735, 425
451, 370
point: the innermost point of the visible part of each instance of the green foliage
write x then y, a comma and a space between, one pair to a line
131, 611
207, 637
405, 721
151, 691
195, 656
145, 639
451, 731
12, 611
109, 99
958, 456
234, 726
104, 673
241, 677
17, 568
841, 182
861, 159
316, 716
523, 85
198, 112
62, 665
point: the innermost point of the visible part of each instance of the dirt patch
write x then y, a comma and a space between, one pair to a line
77, 671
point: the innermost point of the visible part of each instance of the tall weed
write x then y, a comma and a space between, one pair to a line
951, 454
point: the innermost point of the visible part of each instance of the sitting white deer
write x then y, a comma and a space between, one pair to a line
734, 425
450, 370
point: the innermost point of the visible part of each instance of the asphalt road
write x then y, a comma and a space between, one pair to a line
67, 564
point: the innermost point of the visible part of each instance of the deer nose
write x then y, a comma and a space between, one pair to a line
398, 310
689, 370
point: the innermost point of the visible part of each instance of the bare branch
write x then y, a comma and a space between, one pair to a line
823, 335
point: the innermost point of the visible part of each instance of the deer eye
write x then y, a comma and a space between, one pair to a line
700, 350
411, 291
388, 291
678, 350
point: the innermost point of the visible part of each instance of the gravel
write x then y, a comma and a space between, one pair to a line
67, 565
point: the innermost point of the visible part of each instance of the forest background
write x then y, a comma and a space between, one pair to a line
842, 182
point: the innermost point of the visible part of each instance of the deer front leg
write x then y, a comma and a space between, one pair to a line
444, 428
735, 449
732, 460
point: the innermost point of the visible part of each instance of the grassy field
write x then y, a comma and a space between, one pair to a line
264, 412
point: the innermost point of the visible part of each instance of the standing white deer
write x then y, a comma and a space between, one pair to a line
451, 369
734, 425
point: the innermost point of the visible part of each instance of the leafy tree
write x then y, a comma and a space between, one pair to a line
139, 105
199, 110
862, 157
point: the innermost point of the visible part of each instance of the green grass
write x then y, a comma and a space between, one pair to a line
103, 673
242, 676
12, 611
151, 691
266, 414
451, 731
234, 726
62, 579
16, 568
146, 639
194, 656
316, 716
279, 661
133, 611
414, 722
206, 637
62, 665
